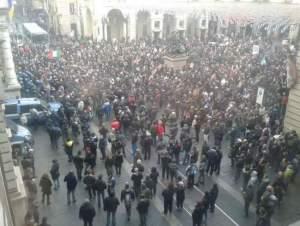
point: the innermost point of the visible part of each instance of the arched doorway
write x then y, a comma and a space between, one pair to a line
115, 26
143, 24
169, 25
193, 27
88, 24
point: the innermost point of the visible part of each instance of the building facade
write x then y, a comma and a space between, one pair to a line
117, 19
12, 190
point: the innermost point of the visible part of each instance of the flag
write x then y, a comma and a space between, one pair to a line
54, 54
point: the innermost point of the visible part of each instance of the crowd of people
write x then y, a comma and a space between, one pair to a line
135, 98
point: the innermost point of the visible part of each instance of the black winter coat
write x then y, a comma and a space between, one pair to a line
87, 211
111, 204
143, 206
71, 181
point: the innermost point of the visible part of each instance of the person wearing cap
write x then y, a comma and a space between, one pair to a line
127, 196
71, 182
111, 204
87, 213
143, 208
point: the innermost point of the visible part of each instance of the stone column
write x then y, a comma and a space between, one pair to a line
105, 31
125, 29
12, 85
132, 26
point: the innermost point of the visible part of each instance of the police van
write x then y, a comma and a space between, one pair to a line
14, 108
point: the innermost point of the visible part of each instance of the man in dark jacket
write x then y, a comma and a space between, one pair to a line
248, 197
54, 172
168, 194
218, 161
87, 213
100, 187
102, 146
198, 213
78, 163
127, 196
142, 208
90, 180
165, 160
111, 204
213, 195
71, 181
118, 162
211, 160
147, 146
137, 178
180, 194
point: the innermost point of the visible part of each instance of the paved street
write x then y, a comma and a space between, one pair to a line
229, 211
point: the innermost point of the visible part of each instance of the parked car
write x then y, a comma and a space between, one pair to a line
14, 108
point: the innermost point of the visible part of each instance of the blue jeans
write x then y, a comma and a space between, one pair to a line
133, 149
111, 215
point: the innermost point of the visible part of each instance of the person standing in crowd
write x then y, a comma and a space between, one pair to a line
71, 182
78, 161
87, 213
143, 208
118, 161
211, 161
46, 186
165, 160
218, 161
180, 193
198, 214
206, 201
168, 194
213, 195
69, 149
154, 177
111, 204
109, 162
100, 187
127, 196
89, 181
102, 146
248, 194
134, 141
54, 172
201, 171
137, 178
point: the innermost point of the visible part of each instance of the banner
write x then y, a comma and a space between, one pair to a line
255, 49
260, 95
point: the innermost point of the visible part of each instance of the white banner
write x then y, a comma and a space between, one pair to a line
255, 49
260, 95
